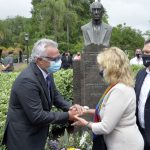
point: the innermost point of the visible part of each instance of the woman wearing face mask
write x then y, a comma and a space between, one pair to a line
114, 116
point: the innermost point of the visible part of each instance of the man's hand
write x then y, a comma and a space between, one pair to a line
72, 112
77, 108
4, 68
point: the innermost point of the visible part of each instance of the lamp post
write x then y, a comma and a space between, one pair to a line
26, 42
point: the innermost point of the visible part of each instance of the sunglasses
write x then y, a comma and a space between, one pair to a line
52, 59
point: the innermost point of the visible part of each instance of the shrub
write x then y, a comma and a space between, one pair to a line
136, 68
6, 80
64, 83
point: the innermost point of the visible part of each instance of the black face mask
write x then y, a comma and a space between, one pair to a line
146, 60
138, 55
101, 73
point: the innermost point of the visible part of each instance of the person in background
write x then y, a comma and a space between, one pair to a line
77, 57
137, 60
66, 60
142, 89
32, 96
7, 63
115, 113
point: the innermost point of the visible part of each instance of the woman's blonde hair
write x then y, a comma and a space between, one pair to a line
116, 66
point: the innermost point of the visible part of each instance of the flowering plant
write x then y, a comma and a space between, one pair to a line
72, 141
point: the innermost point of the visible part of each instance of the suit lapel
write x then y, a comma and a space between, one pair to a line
140, 82
41, 79
103, 32
90, 32
148, 95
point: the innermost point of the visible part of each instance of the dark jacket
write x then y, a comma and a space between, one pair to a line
66, 62
29, 113
139, 81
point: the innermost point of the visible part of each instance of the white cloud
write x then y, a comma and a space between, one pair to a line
134, 13
12, 8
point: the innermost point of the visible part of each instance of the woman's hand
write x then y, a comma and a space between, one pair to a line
80, 121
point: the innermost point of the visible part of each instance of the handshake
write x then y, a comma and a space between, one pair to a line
76, 111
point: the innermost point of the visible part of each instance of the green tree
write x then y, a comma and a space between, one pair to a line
61, 20
12, 31
127, 38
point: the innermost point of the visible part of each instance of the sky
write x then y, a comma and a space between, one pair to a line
12, 8
134, 13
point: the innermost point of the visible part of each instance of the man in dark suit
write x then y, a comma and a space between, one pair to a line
32, 96
96, 31
66, 60
142, 89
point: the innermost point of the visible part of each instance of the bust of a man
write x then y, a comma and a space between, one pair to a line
96, 32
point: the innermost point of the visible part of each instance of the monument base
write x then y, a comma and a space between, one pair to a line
88, 86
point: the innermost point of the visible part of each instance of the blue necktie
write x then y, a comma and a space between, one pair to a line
48, 80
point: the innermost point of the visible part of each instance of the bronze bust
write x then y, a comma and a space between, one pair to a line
96, 31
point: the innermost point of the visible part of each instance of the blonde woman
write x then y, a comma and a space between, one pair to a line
115, 113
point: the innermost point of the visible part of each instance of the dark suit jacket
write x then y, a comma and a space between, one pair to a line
66, 62
29, 113
139, 81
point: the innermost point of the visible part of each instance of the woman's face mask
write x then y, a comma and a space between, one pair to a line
101, 72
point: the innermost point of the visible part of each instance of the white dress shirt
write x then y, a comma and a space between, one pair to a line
143, 97
44, 73
136, 61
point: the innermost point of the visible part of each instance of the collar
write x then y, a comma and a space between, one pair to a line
147, 71
43, 72
139, 59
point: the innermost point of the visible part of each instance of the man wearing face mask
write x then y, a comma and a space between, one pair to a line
137, 60
32, 96
142, 89
66, 60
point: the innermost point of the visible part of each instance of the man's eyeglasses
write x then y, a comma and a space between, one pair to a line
52, 59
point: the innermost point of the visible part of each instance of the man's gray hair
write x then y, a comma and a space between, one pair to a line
96, 4
39, 48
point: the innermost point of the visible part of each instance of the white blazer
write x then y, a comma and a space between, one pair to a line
118, 124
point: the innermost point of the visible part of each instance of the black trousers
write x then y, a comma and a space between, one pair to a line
98, 143
146, 146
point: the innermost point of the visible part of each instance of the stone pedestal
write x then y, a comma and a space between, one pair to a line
88, 85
